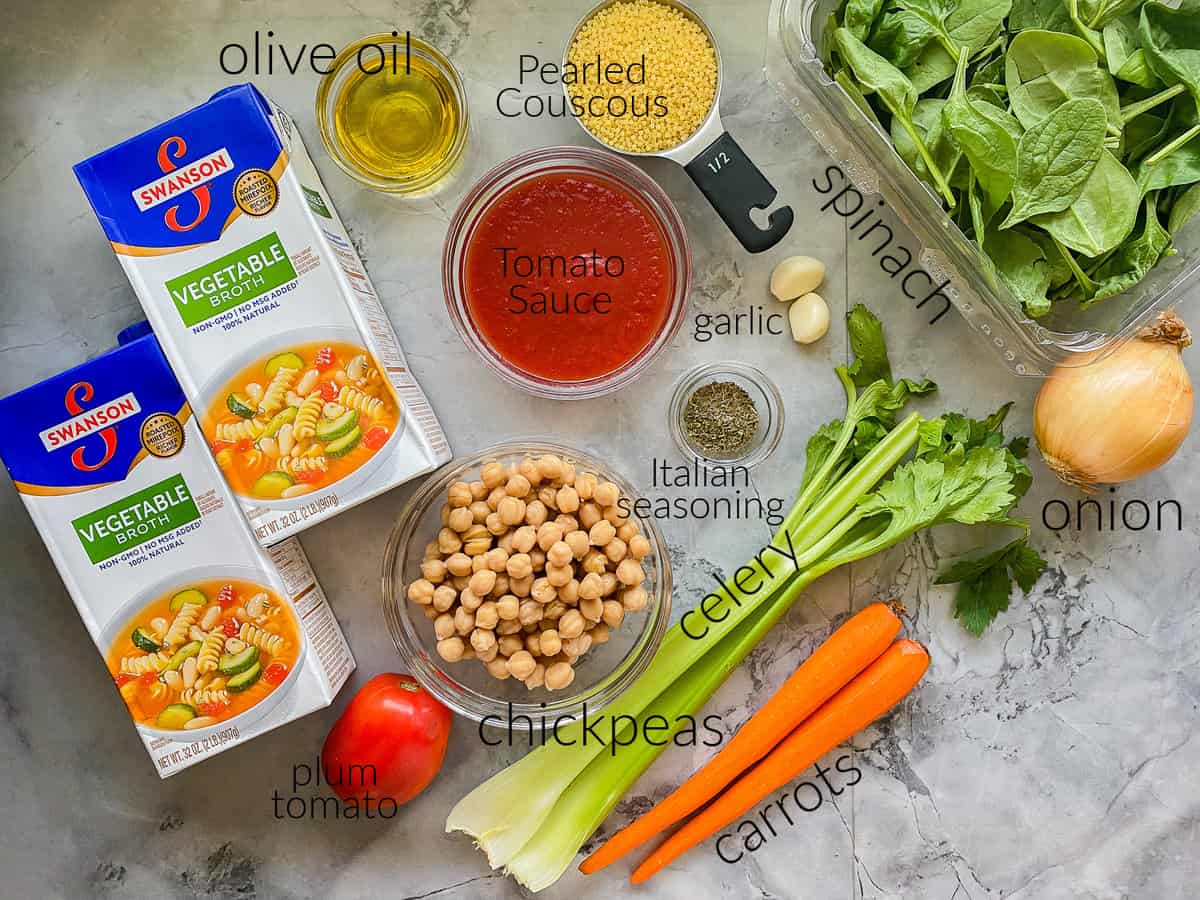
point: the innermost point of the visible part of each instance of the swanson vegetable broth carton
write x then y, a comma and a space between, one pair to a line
264, 310
211, 639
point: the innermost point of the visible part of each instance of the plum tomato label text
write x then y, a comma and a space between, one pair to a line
231, 280
135, 519
358, 779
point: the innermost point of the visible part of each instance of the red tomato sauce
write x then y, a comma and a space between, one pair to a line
573, 239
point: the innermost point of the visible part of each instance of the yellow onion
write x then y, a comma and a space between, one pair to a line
1115, 418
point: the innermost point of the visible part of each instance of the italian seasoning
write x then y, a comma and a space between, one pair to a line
720, 419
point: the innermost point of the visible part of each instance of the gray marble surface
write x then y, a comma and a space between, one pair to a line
1053, 758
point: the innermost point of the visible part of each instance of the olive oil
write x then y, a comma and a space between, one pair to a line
401, 124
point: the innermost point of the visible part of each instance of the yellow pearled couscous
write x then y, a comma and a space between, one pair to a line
681, 67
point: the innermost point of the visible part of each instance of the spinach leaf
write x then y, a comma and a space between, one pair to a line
1022, 266
1133, 259
1060, 270
1099, 13
969, 23
1102, 215
860, 15
1181, 167
1041, 15
927, 120
900, 37
1171, 39
1045, 69
1055, 158
1184, 208
931, 68
894, 91
987, 135
1124, 55
1136, 70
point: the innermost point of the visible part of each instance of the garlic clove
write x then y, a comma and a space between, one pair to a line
809, 318
796, 276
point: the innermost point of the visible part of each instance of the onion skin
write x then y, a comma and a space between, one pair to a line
1105, 421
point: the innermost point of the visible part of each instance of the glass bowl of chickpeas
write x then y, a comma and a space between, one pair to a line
519, 582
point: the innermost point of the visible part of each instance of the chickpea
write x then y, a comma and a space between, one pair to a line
554, 610
429, 612
531, 629
478, 490
614, 516
524, 539
549, 534
501, 586
421, 591
634, 599
537, 559
492, 474
518, 486
594, 562
590, 588
479, 511
486, 656
460, 582
639, 547
602, 533
550, 642
521, 664
488, 615
493, 499
482, 581
529, 469
537, 678
495, 524
498, 667
613, 614
483, 640
459, 494
608, 584
589, 514
522, 587
449, 541
615, 550
476, 541
548, 497
434, 571
469, 599
512, 511
626, 531
533, 643
519, 565
578, 542
530, 612
444, 513
508, 607
536, 513
504, 542
559, 676
558, 554
464, 621
549, 467
559, 576
432, 551
585, 485
592, 609
571, 624
510, 644
460, 519
458, 564
569, 592
469, 652
577, 646
451, 649
607, 493
567, 476
567, 523
443, 626
508, 626
600, 634
630, 572
543, 591
444, 597
478, 564
568, 499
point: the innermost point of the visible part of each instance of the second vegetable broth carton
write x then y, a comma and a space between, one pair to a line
210, 639
265, 311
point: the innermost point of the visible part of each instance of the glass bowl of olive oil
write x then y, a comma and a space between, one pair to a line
393, 113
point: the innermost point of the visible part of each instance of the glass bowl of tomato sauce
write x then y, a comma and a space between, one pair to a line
567, 270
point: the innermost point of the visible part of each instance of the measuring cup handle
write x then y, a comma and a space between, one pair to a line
734, 186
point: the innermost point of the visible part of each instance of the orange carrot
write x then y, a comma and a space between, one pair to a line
843, 655
865, 699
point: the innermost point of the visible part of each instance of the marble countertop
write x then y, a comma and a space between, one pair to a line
1053, 758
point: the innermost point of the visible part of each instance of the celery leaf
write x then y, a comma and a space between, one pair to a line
985, 583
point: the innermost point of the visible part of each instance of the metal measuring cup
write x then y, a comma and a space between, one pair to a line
724, 173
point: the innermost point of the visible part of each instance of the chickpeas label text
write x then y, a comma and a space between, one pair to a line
569, 730
536, 296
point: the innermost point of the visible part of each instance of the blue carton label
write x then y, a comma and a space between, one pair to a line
83, 427
173, 186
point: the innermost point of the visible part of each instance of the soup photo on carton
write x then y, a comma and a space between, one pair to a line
265, 311
209, 638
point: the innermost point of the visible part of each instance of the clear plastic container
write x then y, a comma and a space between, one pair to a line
795, 39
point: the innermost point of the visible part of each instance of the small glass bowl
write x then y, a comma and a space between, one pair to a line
532, 164
330, 89
466, 687
762, 391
